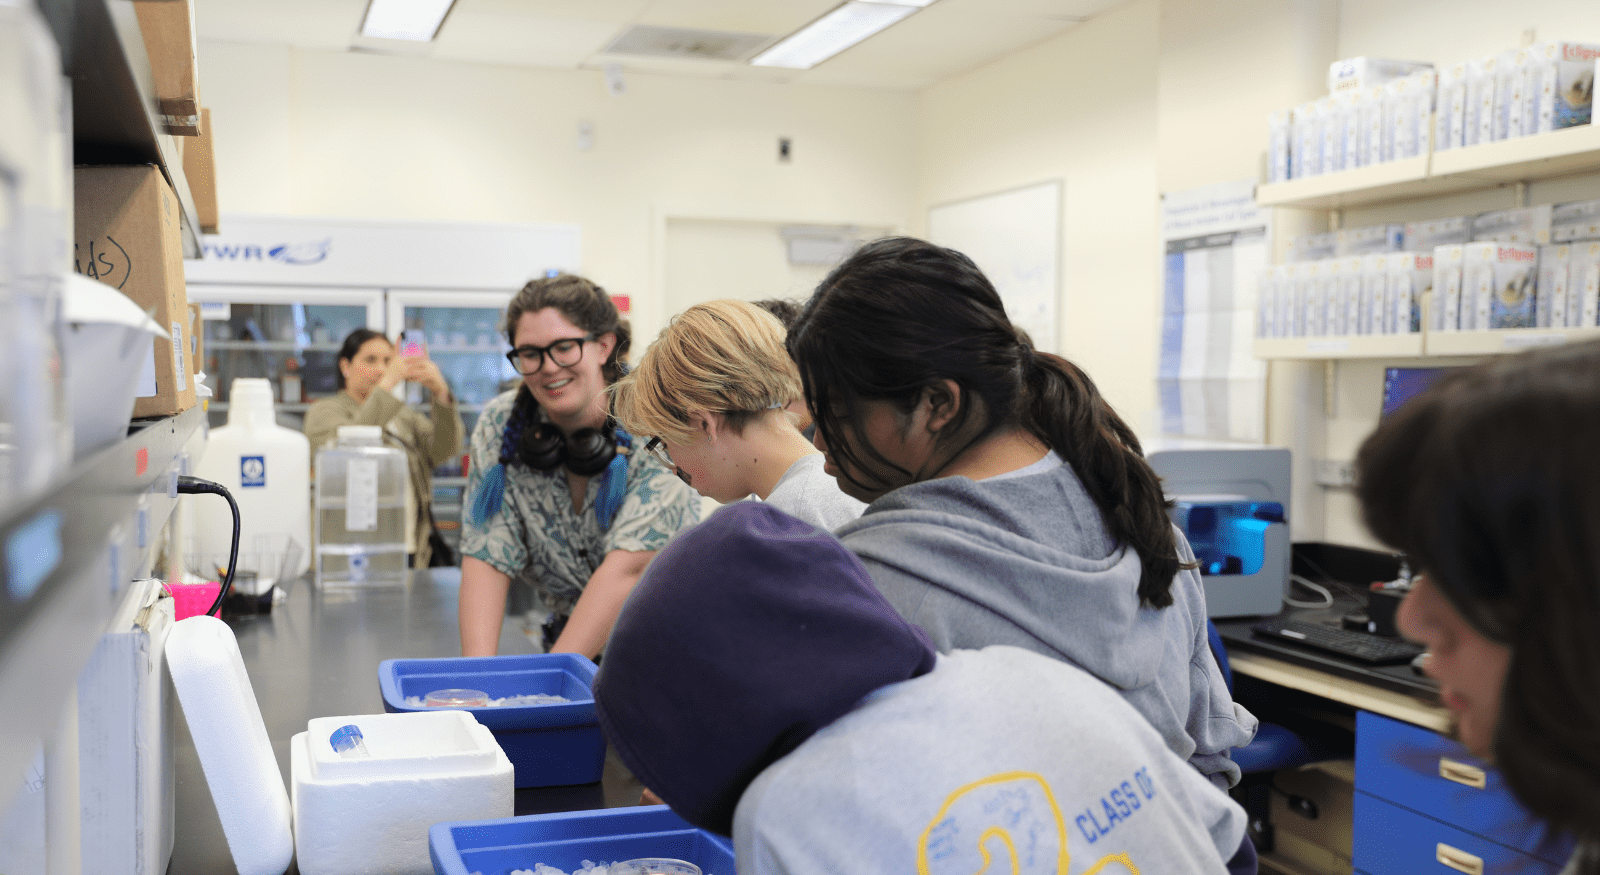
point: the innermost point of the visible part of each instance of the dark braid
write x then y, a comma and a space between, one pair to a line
524, 413
1068, 413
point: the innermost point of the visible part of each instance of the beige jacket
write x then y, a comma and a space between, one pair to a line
428, 443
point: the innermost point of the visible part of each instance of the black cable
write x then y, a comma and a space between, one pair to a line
196, 486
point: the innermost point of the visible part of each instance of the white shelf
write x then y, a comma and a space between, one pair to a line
1375, 184
1446, 343
1432, 344
1541, 156
1349, 347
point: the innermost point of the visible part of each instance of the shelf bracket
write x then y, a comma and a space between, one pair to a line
1521, 193
1330, 382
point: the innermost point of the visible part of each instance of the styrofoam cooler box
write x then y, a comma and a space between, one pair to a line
549, 745
565, 839
347, 816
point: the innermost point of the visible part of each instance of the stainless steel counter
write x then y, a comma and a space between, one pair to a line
317, 655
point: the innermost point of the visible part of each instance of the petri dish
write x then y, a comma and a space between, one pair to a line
654, 866
456, 699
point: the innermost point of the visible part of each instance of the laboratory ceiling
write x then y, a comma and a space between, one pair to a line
677, 37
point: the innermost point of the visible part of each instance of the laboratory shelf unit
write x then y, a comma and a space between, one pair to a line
1541, 156
1507, 340
1525, 159
1363, 186
115, 113
69, 556
1350, 347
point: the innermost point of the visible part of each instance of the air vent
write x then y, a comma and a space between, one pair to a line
674, 42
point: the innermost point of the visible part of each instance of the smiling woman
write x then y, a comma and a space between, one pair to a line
558, 497
1487, 482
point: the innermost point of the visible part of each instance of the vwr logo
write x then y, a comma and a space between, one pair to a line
288, 253
1512, 253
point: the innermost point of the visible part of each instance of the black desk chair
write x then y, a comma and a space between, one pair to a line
1277, 745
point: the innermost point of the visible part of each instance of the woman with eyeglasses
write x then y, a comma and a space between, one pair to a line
368, 369
711, 393
1489, 482
1009, 504
559, 496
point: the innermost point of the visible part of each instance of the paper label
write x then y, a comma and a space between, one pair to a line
177, 357
253, 471
147, 374
361, 496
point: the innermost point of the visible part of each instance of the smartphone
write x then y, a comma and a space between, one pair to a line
411, 342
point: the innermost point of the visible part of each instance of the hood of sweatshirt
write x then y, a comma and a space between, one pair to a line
1033, 552
747, 634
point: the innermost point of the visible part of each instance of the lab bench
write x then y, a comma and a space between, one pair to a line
317, 655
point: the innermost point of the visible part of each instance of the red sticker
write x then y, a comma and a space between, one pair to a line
141, 461
622, 301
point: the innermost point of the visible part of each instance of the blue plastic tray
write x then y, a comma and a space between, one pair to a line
547, 744
565, 839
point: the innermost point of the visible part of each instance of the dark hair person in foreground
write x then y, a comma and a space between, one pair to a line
1009, 504
1489, 482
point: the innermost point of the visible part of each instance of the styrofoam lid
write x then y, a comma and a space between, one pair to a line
231, 739
84, 300
361, 432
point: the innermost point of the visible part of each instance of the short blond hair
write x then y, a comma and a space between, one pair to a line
724, 357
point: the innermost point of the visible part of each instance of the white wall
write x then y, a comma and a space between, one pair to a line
1152, 96
1072, 108
362, 135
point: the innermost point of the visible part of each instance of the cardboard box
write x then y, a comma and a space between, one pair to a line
1498, 281
126, 235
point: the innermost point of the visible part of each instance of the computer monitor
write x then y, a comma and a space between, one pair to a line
1400, 384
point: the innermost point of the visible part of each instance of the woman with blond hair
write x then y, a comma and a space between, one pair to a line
710, 392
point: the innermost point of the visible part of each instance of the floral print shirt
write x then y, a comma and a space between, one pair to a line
537, 538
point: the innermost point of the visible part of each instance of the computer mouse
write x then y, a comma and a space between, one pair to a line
1418, 661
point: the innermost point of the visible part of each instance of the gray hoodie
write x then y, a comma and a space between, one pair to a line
1026, 561
997, 757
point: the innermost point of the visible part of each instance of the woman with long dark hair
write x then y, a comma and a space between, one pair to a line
557, 494
1009, 502
1489, 482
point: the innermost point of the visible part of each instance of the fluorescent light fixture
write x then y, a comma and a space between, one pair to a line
417, 20
833, 33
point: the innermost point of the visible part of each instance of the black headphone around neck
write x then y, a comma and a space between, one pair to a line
585, 454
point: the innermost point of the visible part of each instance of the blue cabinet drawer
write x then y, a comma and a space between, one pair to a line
1428, 773
1390, 840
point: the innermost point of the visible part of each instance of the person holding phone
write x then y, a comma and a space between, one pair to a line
368, 372
559, 497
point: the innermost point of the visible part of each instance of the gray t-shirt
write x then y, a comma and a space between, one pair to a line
807, 493
997, 754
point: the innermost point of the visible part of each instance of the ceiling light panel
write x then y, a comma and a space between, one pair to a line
832, 34
416, 20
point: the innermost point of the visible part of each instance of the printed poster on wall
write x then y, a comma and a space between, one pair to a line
1211, 385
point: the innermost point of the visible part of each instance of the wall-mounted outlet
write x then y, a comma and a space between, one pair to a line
1334, 472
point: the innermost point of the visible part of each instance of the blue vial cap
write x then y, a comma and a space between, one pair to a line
347, 738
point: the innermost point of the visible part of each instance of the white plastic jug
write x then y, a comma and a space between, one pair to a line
268, 469
362, 486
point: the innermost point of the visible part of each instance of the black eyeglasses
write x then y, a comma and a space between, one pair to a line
565, 353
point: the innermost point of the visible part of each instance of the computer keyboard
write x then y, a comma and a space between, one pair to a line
1359, 646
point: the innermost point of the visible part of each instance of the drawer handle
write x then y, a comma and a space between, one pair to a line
1459, 860
1462, 773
